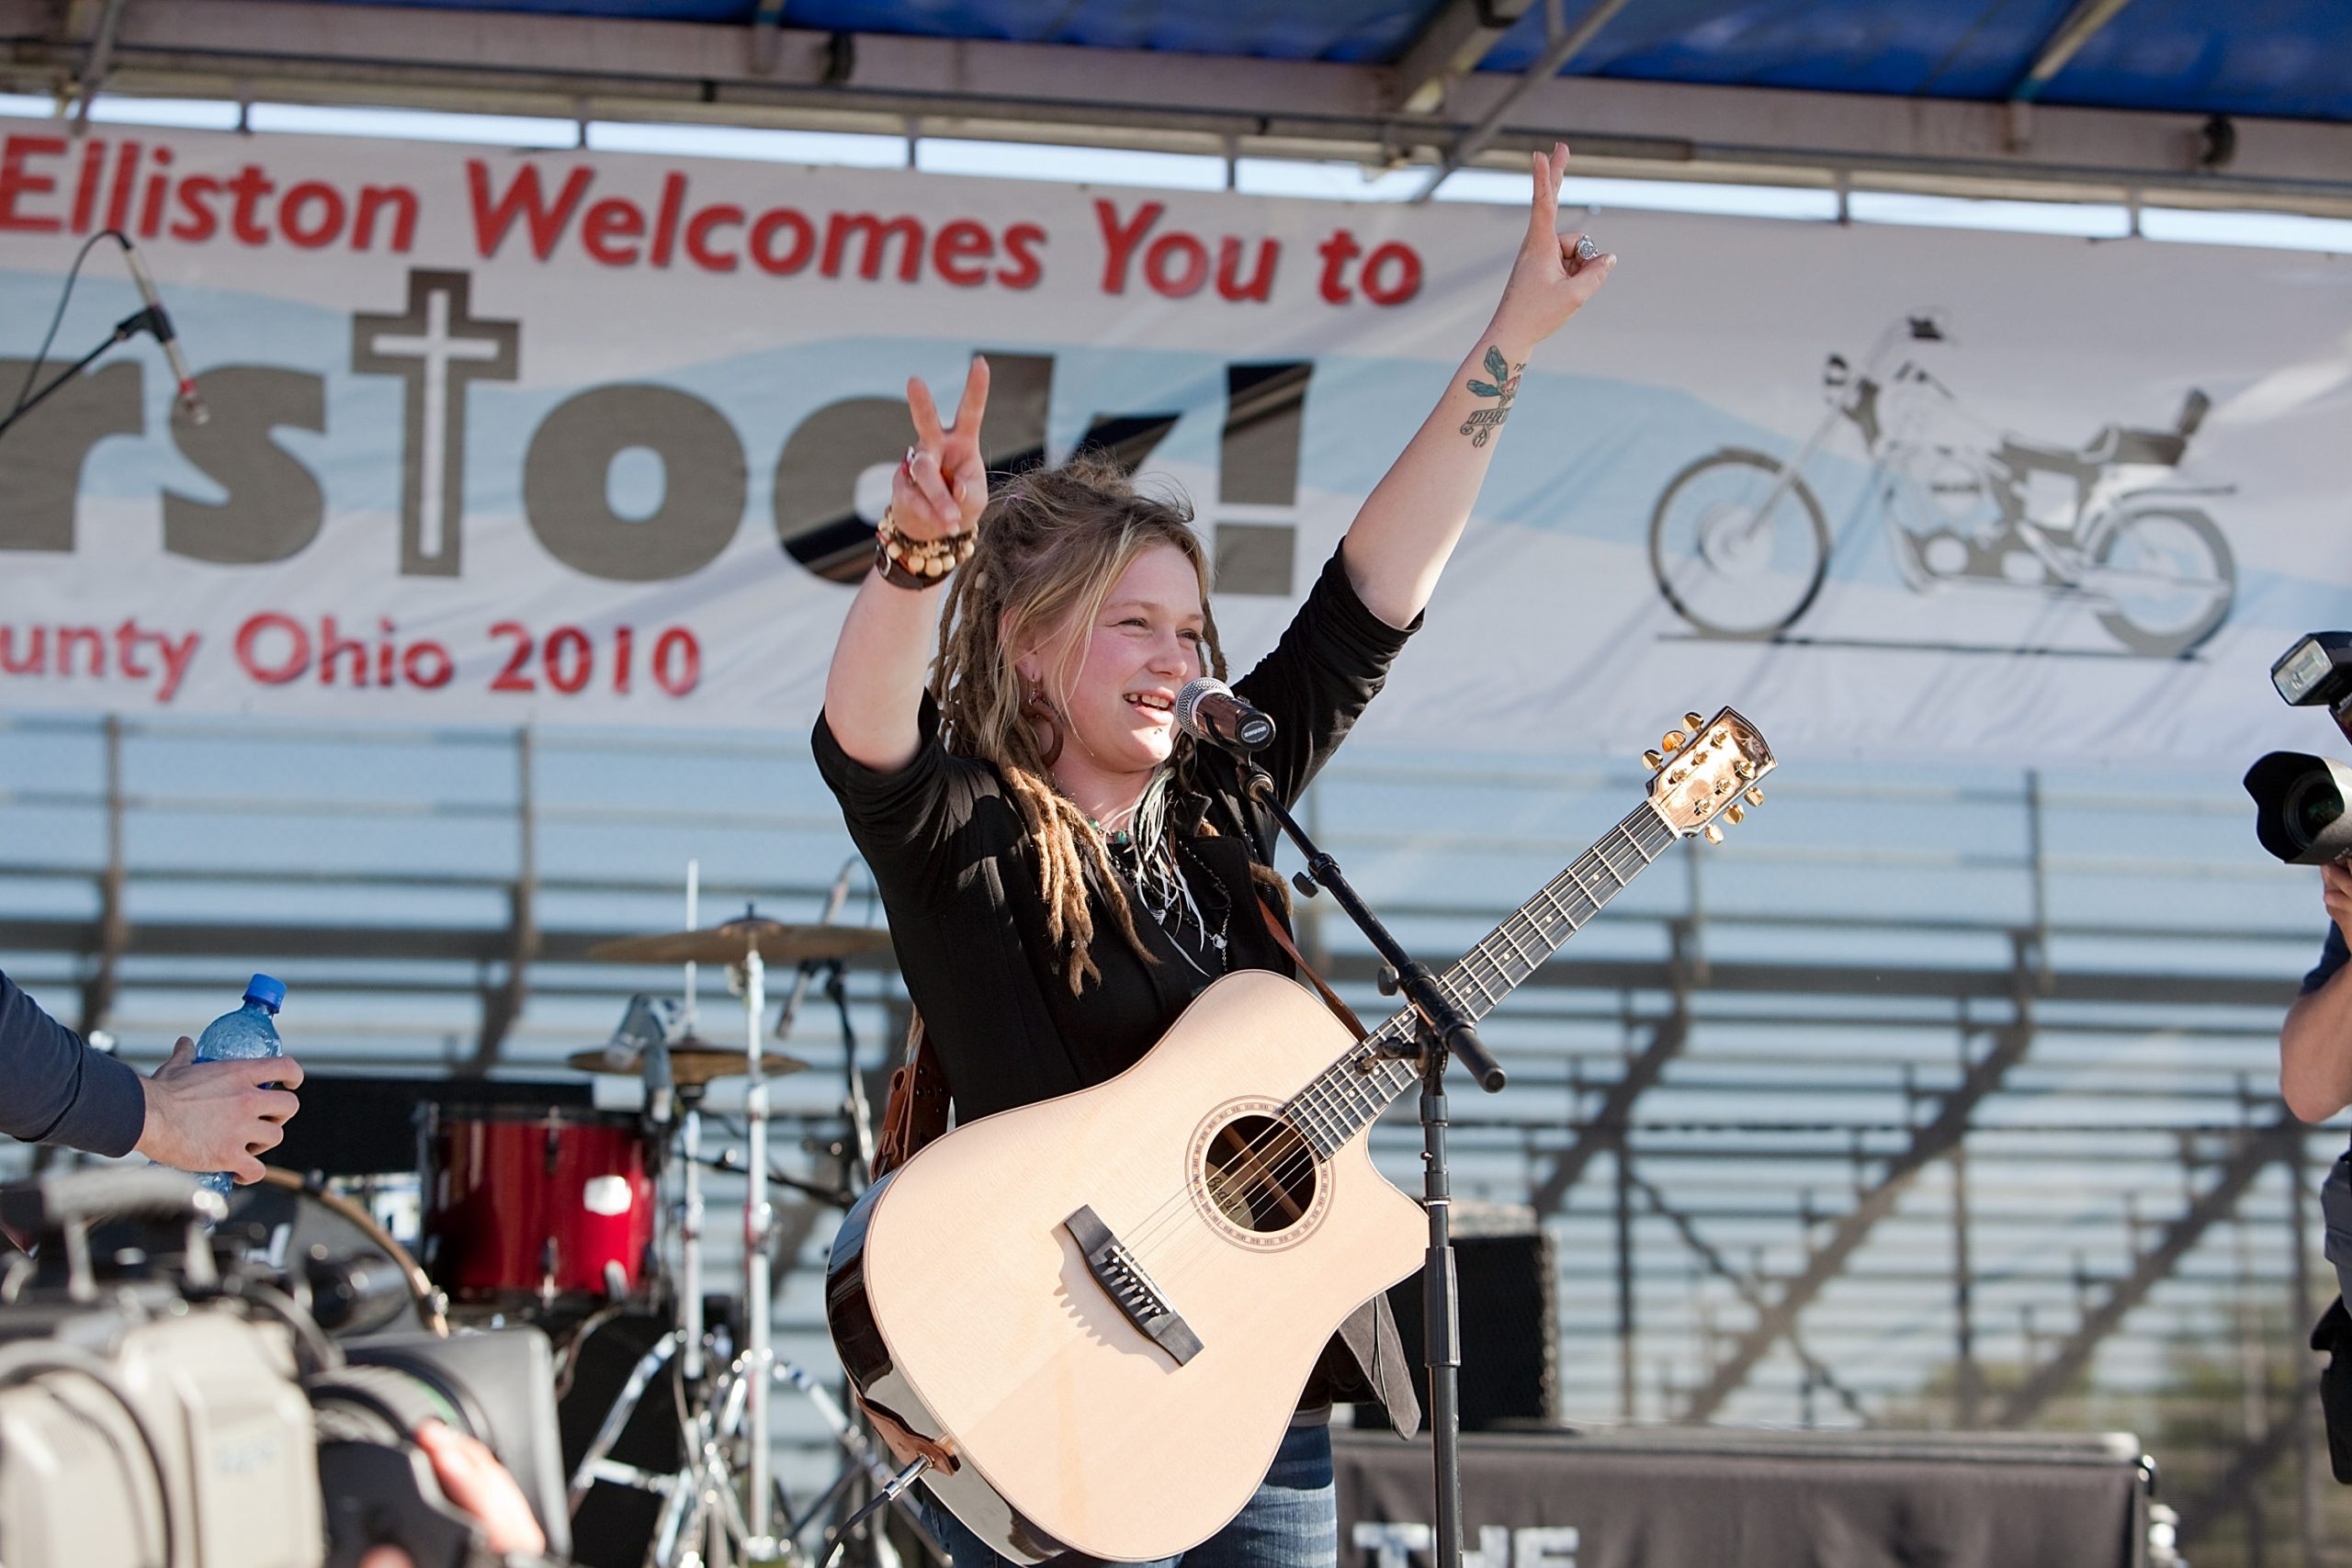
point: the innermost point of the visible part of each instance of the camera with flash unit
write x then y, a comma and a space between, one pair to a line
165, 1403
2298, 799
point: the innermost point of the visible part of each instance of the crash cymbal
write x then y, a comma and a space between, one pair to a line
778, 943
693, 1063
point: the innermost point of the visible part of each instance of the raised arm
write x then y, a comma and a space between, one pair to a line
873, 687
1400, 542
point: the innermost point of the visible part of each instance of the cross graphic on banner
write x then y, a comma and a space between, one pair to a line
437, 347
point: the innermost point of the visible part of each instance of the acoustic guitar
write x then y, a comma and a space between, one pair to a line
1095, 1314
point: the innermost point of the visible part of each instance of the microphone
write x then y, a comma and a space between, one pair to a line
1207, 709
661, 1085
647, 1028
160, 324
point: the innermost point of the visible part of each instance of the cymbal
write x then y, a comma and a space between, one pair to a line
693, 1063
730, 944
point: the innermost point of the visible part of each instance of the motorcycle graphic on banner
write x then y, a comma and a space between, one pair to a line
1740, 545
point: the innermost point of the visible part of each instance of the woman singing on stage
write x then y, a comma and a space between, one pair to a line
1062, 869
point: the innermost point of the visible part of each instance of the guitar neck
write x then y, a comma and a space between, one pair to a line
1351, 1094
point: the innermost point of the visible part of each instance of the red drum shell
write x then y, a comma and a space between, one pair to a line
535, 1206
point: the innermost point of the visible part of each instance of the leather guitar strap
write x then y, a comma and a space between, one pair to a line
916, 1110
1330, 998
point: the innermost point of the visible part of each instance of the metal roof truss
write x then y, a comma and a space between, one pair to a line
1431, 108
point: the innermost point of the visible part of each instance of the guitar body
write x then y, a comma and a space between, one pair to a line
965, 1307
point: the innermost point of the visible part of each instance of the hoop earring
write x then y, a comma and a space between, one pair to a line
1045, 729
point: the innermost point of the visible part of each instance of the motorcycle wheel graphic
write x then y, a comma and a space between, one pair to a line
1722, 567
2182, 578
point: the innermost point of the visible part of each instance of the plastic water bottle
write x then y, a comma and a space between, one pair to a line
247, 1032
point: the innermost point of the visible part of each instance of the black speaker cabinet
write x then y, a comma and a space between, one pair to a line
1510, 1332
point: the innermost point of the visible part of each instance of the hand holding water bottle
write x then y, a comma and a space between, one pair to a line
211, 1108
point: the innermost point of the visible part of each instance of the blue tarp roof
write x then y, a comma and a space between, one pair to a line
2285, 58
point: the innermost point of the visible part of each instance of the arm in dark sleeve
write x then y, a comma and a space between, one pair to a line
907, 823
1332, 659
54, 1088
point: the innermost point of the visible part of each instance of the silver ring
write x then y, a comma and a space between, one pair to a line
1586, 250
912, 453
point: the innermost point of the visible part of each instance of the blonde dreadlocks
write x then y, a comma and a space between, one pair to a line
1052, 544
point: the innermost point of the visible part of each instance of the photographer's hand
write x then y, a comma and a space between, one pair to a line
477, 1483
2336, 891
474, 1480
216, 1115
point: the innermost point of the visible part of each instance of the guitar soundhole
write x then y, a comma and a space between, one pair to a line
1260, 1173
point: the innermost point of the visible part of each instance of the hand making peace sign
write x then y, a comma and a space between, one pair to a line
1552, 278
942, 486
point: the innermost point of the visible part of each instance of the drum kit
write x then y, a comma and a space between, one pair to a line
554, 1216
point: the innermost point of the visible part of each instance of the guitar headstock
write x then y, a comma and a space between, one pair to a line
1708, 769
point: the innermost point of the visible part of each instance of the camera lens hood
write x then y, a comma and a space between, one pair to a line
2300, 807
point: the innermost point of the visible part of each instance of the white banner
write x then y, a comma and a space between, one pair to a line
500, 437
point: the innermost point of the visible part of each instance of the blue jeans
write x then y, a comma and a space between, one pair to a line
1291, 1521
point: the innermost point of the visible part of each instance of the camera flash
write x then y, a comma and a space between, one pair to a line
2300, 669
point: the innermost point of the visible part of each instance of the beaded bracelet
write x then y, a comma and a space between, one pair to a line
919, 564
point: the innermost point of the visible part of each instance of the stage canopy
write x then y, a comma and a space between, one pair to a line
2163, 102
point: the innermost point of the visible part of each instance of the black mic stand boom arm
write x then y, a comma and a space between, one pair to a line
139, 321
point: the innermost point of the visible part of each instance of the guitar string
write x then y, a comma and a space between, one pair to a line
1178, 1206
1301, 1130
1296, 1167
1276, 1181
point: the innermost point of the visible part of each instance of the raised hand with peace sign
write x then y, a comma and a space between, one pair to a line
1553, 274
942, 486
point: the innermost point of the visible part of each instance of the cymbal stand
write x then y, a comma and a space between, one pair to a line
701, 1523
759, 1224
690, 1218
704, 1484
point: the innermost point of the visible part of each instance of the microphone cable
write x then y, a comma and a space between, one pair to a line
32, 374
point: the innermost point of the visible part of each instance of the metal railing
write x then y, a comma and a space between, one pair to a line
1922, 1101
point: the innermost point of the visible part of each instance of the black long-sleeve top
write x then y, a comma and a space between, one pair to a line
952, 858
953, 861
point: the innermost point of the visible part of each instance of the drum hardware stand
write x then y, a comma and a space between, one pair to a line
704, 1486
690, 1215
1442, 1030
726, 1419
759, 1227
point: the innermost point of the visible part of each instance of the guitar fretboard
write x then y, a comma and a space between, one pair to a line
1350, 1095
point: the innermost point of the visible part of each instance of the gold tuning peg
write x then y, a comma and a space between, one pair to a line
1714, 834
1692, 721
1735, 812
1653, 760
1744, 768
1673, 742
1753, 794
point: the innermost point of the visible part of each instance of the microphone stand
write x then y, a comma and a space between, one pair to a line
1443, 1031
131, 326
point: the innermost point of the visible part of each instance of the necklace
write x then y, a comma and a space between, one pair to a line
1152, 859
1167, 894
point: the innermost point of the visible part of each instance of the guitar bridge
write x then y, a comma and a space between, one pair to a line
1129, 1288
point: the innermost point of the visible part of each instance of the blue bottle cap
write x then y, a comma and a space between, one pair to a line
269, 993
